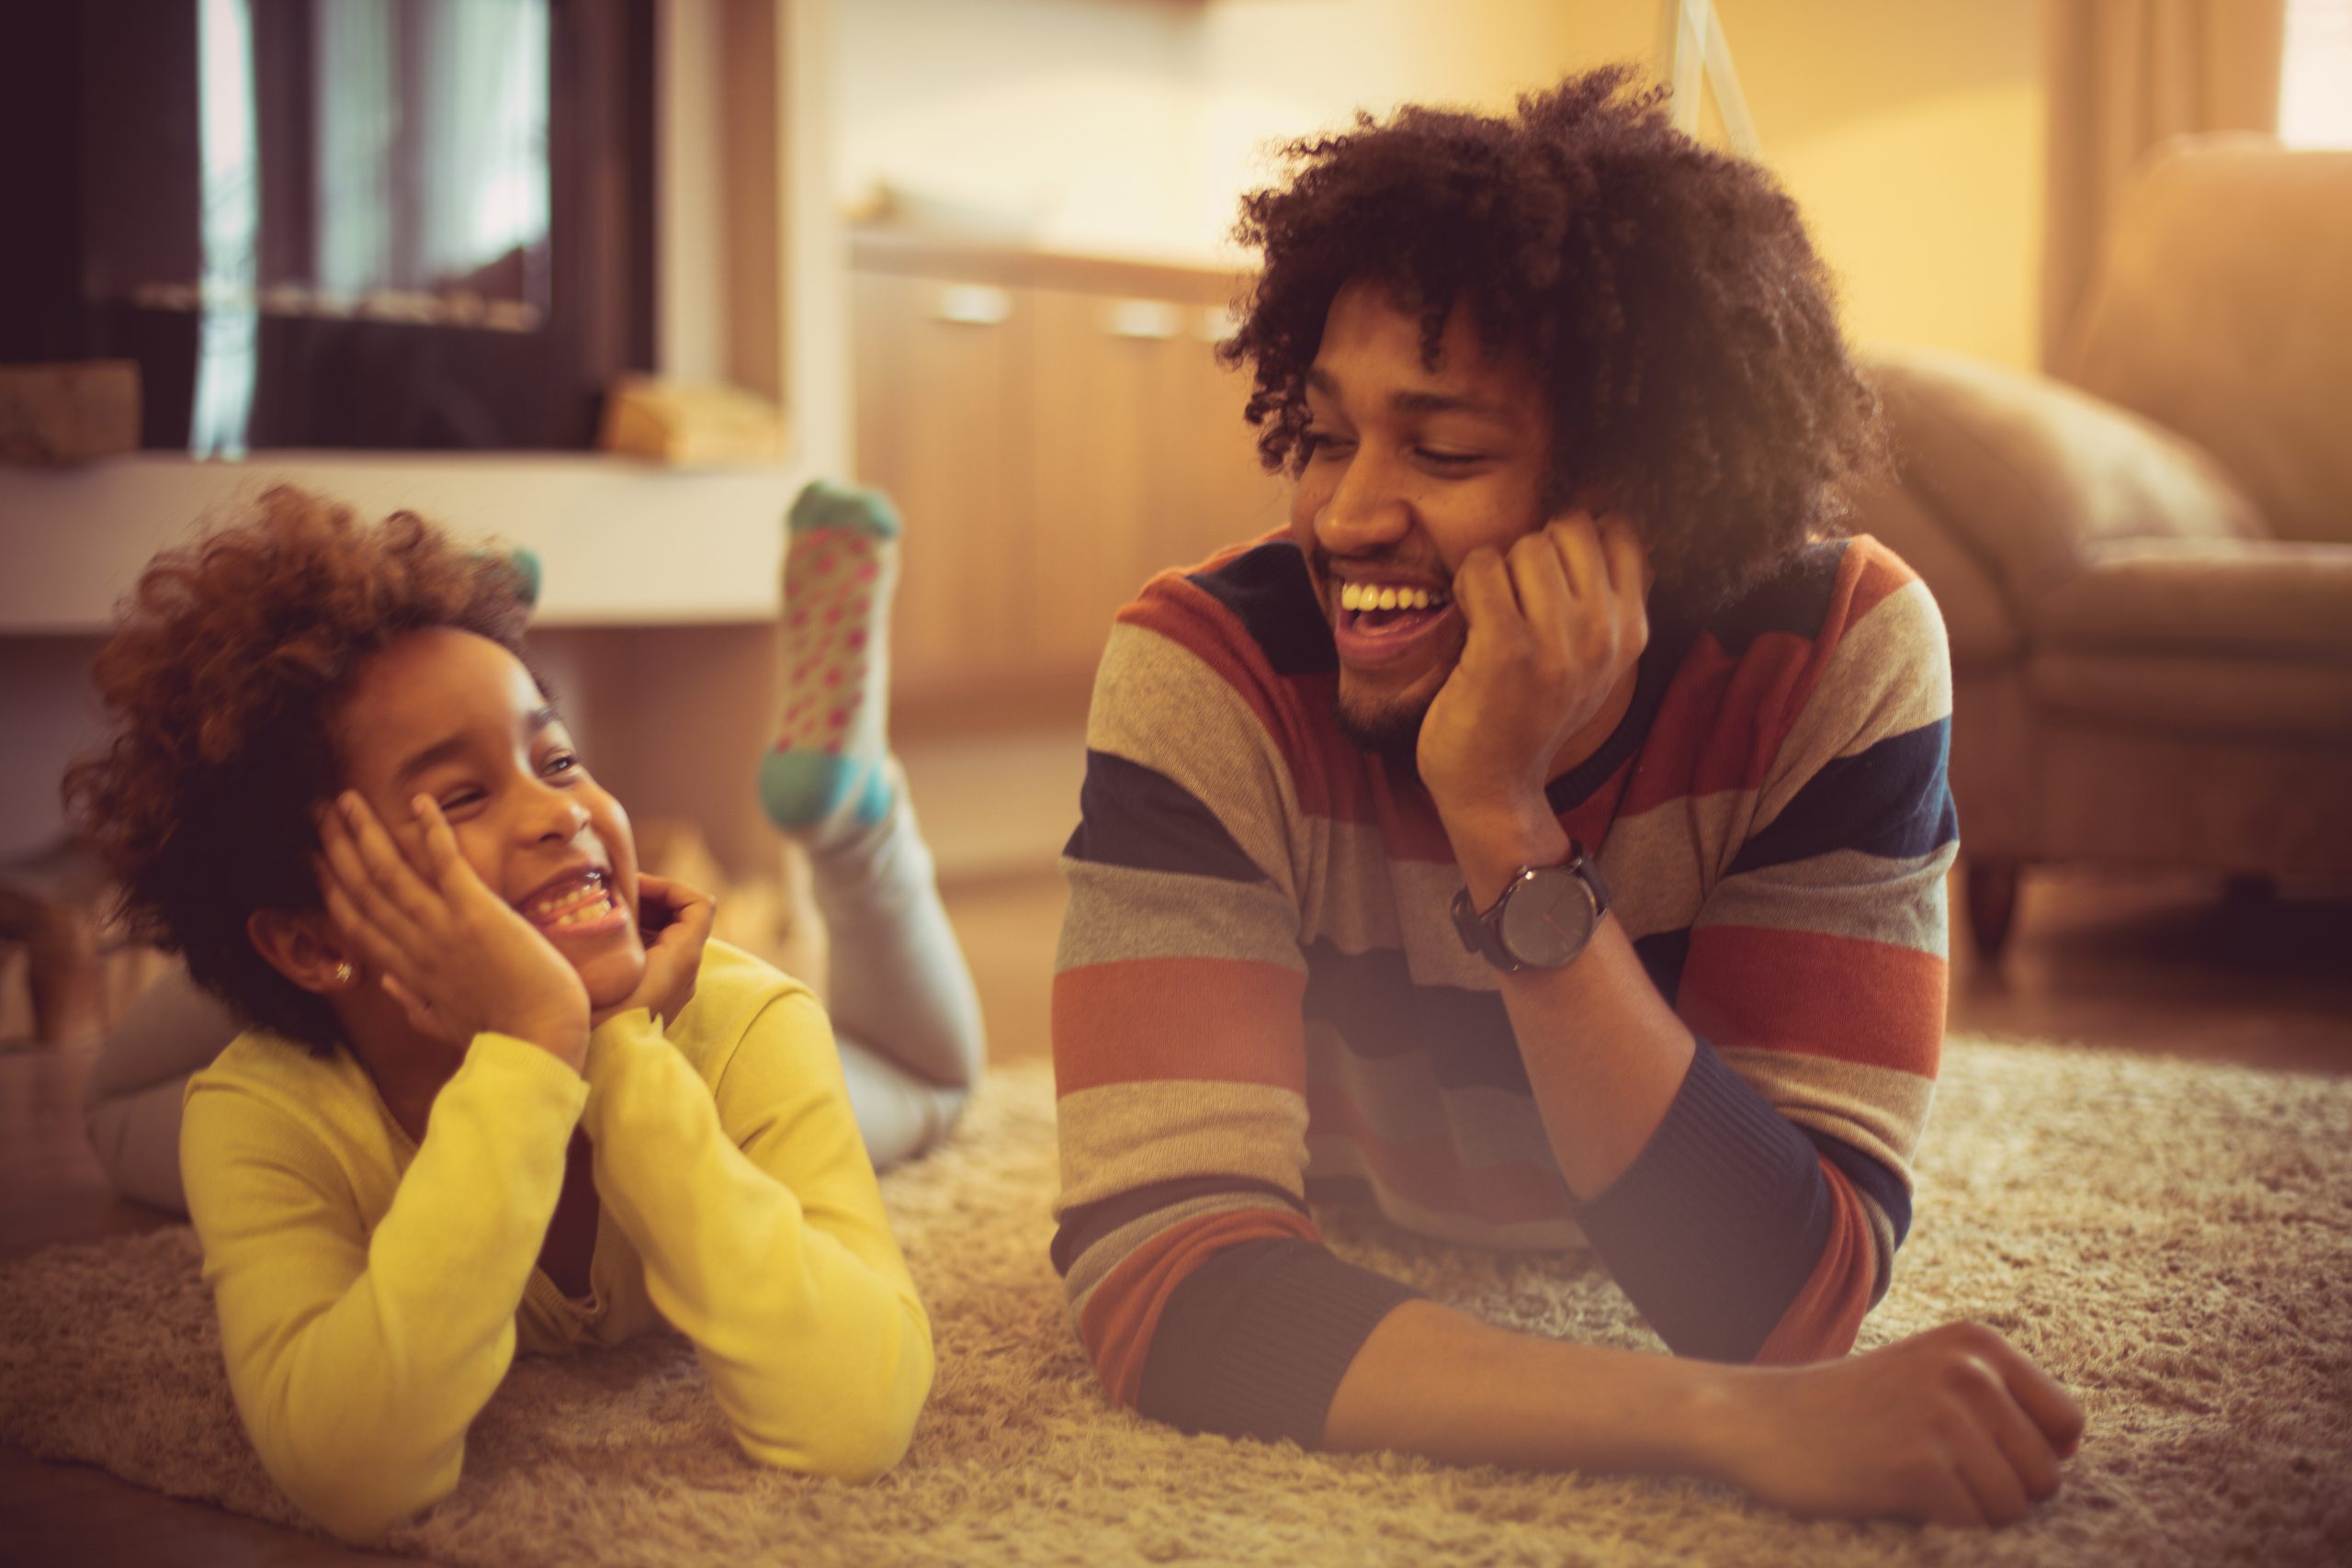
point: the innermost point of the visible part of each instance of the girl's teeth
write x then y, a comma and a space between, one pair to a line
591, 902
594, 910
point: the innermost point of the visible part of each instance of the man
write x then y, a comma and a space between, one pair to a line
1545, 842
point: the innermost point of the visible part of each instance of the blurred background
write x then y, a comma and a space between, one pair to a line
611, 279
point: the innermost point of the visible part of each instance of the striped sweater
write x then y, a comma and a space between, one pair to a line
1261, 1002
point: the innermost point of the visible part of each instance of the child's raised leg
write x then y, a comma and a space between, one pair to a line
902, 998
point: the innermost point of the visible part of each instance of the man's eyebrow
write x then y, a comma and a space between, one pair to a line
1448, 402
440, 752
1417, 400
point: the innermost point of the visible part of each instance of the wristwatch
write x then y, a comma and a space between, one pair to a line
1544, 918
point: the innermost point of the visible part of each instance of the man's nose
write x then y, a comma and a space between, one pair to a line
1367, 511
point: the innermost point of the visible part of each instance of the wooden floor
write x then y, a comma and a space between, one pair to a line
2167, 965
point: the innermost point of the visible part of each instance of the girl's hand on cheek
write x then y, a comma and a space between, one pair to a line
454, 955
676, 922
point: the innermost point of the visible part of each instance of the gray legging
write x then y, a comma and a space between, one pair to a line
903, 1009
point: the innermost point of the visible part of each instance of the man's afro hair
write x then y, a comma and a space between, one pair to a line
1665, 296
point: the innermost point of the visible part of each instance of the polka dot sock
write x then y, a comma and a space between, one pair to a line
832, 749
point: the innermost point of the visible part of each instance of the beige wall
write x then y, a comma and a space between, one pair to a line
1909, 132
1077, 119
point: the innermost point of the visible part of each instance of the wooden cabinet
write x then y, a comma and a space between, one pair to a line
938, 429
1056, 430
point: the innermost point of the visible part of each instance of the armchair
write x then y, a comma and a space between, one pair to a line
2145, 561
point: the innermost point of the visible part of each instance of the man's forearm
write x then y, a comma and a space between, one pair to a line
1710, 1207
1952, 1425
1604, 1054
1714, 1212
1435, 1381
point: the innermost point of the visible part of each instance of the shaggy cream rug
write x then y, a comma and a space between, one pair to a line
2174, 1240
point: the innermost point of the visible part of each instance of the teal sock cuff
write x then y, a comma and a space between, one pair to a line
875, 803
799, 789
825, 505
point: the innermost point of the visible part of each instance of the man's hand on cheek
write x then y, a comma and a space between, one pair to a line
1554, 627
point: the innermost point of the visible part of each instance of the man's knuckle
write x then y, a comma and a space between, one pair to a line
1967, 1376
1954, 1337
1979, 1335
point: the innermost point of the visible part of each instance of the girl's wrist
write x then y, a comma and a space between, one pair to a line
562, 1037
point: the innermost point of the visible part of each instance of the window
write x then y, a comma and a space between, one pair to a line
2315, 76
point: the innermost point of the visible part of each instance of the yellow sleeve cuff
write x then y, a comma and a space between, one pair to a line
515, 1072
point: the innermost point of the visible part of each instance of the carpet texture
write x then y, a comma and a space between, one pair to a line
2172, 1239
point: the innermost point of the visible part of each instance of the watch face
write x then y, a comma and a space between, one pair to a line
1548, 919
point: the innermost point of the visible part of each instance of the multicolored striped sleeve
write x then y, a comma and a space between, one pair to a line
1761, 1220
1197, 1283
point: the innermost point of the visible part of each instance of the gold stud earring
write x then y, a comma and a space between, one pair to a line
344, 973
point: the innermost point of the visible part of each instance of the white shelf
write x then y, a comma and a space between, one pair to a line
623, 543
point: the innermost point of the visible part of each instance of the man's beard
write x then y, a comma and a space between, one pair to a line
1390, 729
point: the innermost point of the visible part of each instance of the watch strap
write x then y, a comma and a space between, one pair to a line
1478, 936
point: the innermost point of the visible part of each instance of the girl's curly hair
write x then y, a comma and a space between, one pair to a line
226, 664
1666, 297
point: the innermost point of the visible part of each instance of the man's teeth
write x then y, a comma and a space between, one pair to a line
1368, 596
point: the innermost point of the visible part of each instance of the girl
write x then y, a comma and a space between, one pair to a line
498, 1090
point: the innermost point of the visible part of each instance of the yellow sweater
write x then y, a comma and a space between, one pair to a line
373, 1290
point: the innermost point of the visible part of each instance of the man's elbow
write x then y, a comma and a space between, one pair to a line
1817, 1332
1798, 1350
1820, 1324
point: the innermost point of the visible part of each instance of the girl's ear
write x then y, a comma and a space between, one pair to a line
304, 948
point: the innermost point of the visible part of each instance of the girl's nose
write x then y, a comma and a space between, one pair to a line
556, 814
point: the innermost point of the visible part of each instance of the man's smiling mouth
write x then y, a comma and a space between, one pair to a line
1380, 623
1382, 610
